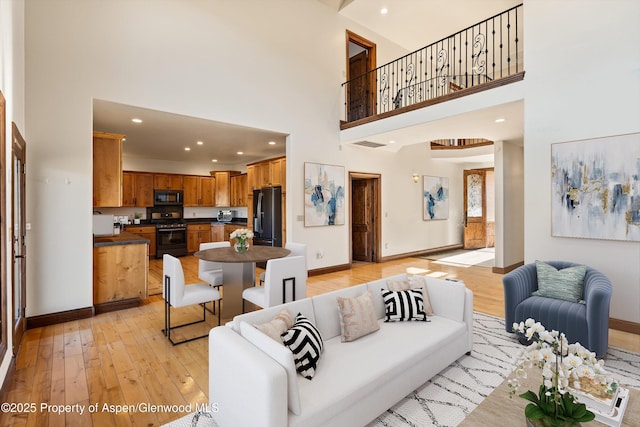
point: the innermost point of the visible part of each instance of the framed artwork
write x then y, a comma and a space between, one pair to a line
595, 188
435, 193
323, 195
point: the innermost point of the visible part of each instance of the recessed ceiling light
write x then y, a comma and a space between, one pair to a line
272, 143
124, 139
240, 153
187, 149
500, 120
214, 160
384, 11
392, 142
136, 120
199, 142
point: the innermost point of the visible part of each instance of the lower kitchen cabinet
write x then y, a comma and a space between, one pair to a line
196, 234
148, 232
217, 232
120, 276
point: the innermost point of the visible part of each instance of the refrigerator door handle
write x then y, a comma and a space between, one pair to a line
257, 221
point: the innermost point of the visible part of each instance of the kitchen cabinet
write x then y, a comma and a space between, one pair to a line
148, 232
120, 275
107, 169
217, 232
252, 178
271, 172
196, 234
199, 190
167, 181
239, 190
137, 189
277, 172
230, 228
223, 186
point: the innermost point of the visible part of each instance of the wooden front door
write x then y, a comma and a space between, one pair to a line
362, 220
475, 208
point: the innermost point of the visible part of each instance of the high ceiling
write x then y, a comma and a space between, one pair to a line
409, 23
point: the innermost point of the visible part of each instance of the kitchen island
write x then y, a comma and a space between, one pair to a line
120, 271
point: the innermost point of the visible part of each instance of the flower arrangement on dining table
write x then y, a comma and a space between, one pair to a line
242, 236
564, 367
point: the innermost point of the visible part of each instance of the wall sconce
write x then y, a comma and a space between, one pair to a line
415, 177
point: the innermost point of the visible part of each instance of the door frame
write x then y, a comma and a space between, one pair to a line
370, 46
4, 330
377, 209
19, 325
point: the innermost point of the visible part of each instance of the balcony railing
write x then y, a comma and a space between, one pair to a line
482, 53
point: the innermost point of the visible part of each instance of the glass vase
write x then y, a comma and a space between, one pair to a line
242, 247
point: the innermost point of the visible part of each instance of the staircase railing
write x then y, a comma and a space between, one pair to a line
481, 53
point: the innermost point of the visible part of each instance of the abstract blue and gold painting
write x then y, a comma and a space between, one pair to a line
436, 197
595, 190
323, 195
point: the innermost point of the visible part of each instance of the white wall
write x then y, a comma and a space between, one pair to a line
12, 67
582, 83
252, 65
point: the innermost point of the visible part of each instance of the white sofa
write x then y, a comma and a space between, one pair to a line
250, 377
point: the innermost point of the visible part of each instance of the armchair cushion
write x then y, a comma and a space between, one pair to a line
565, 284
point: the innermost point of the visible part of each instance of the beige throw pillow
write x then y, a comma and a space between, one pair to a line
357, 316
413, 282
277, 326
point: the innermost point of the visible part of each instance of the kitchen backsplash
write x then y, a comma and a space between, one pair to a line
241, 212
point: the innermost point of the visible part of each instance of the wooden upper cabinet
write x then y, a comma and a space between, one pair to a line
264, 174
267, 173
199, 190
252, 178
239, 190
167, 182
223, 187
107, 169
137, 189
278, 172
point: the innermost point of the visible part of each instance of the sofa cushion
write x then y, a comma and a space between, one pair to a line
282, 356
403, 305
357, 316
565, 284
351, 371
413, 282
304, 306
445, 298
328, 319
375, 287
277, 326
305, 342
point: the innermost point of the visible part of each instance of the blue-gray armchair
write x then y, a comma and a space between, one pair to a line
587, 323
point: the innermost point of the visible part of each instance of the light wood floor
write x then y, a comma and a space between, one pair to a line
122, 358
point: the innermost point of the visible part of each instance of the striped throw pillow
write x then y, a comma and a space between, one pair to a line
565, 284
400, 306
305, 342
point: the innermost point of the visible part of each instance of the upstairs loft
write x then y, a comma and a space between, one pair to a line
485, 56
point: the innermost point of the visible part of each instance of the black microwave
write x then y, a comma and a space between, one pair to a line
168, 197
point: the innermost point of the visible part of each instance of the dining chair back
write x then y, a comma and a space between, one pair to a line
285, 281
177, 294
208, 271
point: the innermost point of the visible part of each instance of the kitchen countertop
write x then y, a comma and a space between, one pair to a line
124, 238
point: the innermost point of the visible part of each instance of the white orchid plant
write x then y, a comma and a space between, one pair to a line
564, 367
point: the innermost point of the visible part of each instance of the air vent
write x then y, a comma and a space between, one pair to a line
369, 144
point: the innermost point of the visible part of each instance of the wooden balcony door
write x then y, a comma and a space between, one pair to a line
475, 209
361, 58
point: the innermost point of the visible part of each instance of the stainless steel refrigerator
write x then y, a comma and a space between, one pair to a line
267, 216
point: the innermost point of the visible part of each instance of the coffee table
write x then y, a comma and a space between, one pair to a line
499, 410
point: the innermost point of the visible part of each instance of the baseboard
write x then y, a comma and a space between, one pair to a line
330, 269
8, 379
422, 252
624, 326
59, 317
505, 270
107, 307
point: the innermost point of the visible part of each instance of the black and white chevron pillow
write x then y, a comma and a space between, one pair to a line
305, 342
403, 305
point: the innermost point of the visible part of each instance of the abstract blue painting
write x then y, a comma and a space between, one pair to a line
436, 197
323, 195
595, 188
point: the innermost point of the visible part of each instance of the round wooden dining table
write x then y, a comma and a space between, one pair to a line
239, 271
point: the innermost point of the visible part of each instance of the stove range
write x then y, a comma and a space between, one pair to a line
171, 230
171, 225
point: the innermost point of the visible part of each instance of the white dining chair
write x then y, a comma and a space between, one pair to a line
285, 281
211, 272
177, 294
297, 249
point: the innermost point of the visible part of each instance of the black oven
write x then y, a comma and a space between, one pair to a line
171, 239
168, 197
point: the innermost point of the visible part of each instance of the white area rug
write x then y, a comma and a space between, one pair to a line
451, 395
480, 258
